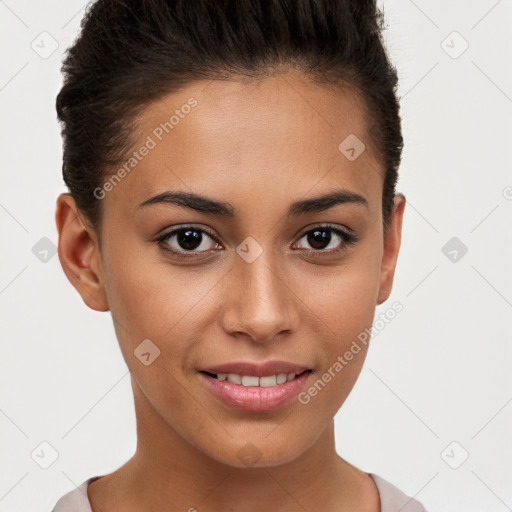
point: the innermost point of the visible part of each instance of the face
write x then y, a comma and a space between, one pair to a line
267, 275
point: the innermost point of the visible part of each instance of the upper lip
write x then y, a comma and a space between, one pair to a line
257, 369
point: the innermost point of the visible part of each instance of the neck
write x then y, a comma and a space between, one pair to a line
167, 472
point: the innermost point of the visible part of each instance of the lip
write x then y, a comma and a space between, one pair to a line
256, 398
257, 369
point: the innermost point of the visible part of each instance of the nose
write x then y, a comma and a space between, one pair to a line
260, 303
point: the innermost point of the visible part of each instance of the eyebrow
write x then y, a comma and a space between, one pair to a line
225, 209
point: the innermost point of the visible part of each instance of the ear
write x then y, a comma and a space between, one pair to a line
392, 240
79, 253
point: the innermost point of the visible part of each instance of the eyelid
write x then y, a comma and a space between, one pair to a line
181, 227
328, 225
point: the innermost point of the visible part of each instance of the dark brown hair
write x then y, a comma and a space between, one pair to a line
132, 52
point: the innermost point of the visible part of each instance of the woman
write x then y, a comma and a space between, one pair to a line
232, 169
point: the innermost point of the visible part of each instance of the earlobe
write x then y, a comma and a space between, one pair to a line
392, 241
79, 253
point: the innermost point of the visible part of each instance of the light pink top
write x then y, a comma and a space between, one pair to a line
392, 499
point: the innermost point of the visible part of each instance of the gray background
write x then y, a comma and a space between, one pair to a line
436, 386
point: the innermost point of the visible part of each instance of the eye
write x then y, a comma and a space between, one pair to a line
328, 239
191, 241
188, 239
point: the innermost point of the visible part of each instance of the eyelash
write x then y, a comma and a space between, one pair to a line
348, 240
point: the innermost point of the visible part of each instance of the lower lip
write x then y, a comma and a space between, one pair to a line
256, 398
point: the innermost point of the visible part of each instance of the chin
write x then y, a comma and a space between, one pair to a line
258, 453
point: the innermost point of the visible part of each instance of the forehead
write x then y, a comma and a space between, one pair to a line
273, 135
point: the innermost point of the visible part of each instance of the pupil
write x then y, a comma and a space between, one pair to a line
318, 238
189, 239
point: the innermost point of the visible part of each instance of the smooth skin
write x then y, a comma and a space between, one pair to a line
259, 145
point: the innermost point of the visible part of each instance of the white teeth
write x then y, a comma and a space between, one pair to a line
251, 380
248, 380
268, 381
234, 378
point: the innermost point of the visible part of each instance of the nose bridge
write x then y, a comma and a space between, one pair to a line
260, 303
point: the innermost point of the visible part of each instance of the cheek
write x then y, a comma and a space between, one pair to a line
346, 314
155, 302
345, 305
149, 296
140, 298
345, 301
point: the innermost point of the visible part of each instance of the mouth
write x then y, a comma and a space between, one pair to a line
257, 393
254, 380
